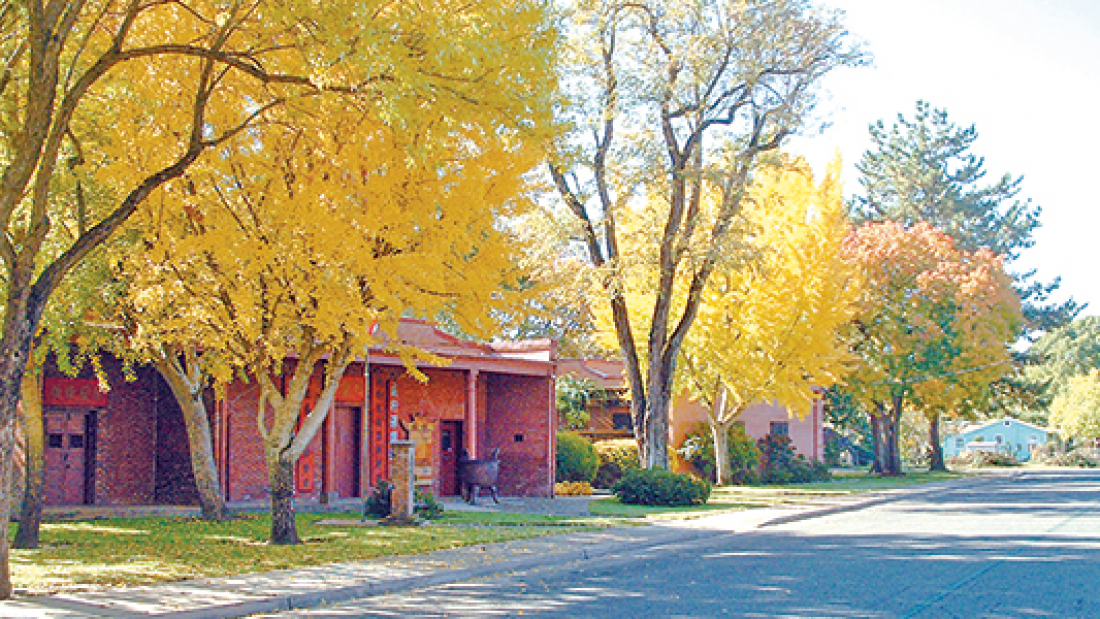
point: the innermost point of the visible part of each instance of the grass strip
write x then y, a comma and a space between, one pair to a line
84, 555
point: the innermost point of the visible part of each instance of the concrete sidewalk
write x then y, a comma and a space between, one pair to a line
304, 588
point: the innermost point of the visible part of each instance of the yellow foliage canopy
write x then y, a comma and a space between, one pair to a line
768, 329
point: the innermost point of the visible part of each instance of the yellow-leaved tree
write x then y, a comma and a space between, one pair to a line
298, 249
769, 328
671, 101
129, 94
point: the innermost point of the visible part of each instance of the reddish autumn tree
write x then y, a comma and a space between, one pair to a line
934, 326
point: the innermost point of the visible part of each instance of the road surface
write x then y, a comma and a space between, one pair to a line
1019, 545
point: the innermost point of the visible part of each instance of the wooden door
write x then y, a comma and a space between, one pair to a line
68, 475
379, 430
346, 452
450, 446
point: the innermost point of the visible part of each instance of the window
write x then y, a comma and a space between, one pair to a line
621, 421
780, 428
999, 438
960, 442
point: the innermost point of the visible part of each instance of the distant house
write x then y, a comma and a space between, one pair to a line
610, 411
1008, 435
807, 431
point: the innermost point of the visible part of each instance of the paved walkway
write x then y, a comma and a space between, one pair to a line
304, 588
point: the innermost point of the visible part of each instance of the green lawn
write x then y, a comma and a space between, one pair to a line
734, 498
128, 552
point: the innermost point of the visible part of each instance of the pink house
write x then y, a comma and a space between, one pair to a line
807, 432
806, 428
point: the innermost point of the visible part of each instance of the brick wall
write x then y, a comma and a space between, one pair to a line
518, 421
443, 396
139, 445
245, 471
125, 443
245, 467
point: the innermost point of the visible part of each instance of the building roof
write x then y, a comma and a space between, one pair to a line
604, 373
522, 357
990, 423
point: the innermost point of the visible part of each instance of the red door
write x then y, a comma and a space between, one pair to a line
66, 478
450, 445
345, 462
379, 430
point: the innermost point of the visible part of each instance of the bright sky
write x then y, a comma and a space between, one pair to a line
1026, 73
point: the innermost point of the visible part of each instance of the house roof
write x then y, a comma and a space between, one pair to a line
604, 373
521, 357
991, 423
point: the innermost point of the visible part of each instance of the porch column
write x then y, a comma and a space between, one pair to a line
328, 455
471, 414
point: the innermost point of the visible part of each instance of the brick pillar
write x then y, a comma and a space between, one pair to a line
472, 428
401, 476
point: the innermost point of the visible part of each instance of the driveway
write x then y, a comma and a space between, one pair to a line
1025, 545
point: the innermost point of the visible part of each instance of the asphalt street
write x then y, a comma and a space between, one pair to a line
1023, 545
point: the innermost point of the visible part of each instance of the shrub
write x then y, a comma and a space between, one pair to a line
377, 504
1077, 457
780, 465
427, 506
698, 450
978, 459
576, 458
617, 456
573, 488
658, 487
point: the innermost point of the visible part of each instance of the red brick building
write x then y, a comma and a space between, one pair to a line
128, 446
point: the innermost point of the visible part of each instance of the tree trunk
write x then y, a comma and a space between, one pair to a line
884, 434
935, 461
879, 441
284, 529
895, 436
656, 421
638, 417
7, 454
187, 386
721, 434
30, 516
290, 434
20, 320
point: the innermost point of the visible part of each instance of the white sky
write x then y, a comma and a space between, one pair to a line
1026, 73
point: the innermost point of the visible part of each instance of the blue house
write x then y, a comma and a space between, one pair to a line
1006, 435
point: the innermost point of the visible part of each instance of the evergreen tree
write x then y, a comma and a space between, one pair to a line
923, 170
